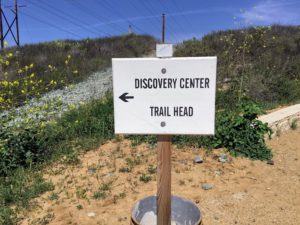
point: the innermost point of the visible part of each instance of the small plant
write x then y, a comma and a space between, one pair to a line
71, 159
181, 182
124, 170
144, 178
152, 169
53, 196
79, 207
131, 163
80, 193
294, 124
122, 195
106, 186
99, 195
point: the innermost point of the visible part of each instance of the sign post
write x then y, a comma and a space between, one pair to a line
163, 197
164, 96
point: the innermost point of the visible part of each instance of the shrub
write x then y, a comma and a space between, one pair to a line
241, 133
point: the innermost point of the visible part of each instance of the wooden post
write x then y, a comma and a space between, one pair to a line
163, 201
164, 180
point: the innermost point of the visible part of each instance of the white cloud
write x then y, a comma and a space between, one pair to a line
271, 11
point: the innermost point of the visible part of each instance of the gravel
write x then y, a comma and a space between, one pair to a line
198, 159
207, 186
59, 101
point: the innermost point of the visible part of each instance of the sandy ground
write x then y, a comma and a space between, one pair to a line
244, 191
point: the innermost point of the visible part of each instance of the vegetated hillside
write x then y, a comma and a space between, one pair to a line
87, 55
51, 65
260, 62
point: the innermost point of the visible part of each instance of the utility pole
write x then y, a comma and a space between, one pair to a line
163, 29
1, 27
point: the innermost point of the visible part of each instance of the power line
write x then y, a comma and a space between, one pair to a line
51, 25
108, 6
53, 11
91, 13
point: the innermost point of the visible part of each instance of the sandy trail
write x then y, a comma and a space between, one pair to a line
244, 191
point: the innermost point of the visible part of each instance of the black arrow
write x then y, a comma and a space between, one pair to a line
124, 97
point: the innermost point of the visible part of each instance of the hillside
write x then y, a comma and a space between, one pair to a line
52, 65
260, 62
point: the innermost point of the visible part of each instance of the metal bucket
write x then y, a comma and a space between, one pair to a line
183, 211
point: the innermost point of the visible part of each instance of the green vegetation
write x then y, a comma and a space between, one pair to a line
31, 142
262, 63
145, 178
17, 190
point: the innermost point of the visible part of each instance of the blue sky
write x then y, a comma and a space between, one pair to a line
46, 20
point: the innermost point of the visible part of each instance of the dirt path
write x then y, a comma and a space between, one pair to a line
244, 191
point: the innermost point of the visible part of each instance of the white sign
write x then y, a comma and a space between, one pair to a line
164, 50
164, 96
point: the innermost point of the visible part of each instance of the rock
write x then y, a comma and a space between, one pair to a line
91, 170
91, 214
223, 158
198, 159
149, 218
270, 162
207, 186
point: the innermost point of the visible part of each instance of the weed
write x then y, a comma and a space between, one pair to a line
122, 195
53, 196
294, 124
79, 207
144, 178
18, 189
44, 220
181, 182
152, 169
99, 195
80, 193
124, 170
106, 186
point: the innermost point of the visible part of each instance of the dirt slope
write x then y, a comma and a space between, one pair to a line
244, 191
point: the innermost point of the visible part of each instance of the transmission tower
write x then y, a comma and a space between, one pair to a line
14, 23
